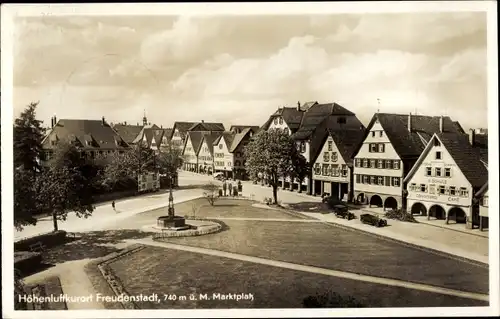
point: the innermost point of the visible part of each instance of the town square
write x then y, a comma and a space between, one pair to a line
254, 162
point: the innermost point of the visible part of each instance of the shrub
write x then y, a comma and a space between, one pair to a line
400, 214
26, 261
211, 192
330, 299
51, 239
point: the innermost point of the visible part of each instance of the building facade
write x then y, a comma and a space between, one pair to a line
483, 199
391, 146
333, 165
444, 180
223, 158
190, 152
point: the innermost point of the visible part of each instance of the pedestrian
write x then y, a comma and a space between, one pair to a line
113, 205
230, 187
224, 187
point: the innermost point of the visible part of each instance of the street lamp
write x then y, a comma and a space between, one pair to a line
171, 210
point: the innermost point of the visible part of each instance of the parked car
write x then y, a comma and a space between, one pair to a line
219, 176
373, 220
342, 211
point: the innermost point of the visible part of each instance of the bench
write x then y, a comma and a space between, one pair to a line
37, 247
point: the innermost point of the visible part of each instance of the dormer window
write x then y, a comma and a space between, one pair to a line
275, 121
341, 120
281, 120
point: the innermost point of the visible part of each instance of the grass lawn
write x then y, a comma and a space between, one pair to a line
159, 270
341, 249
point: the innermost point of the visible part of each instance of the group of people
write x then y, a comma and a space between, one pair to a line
228, 188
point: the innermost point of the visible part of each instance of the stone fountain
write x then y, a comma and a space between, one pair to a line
171, 222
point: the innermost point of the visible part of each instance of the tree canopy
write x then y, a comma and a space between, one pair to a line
271, 153
28, 136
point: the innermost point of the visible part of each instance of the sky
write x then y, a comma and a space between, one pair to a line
240, 69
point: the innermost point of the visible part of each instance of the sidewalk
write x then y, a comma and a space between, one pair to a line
443, 240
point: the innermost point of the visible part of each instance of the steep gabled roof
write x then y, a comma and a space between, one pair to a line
254, 128
290, 115
238, 138
207, 126
410, 144
209, 139
196, 138
467, 157
228, 138
482, 190
346, 141
182, 127
88, 134
128, 132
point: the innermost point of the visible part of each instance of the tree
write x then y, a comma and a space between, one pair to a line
270, 153
28, 136
25, 205
62, 187
125, 167
211, 193
169, 161
300, 168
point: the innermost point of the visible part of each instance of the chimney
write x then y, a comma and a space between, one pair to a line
125, 123
55, 120
103, 121
51, 122
441, 124
472, 137
202, 121
409, 122
298, 105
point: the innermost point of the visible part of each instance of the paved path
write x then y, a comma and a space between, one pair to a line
316, 270
104, 215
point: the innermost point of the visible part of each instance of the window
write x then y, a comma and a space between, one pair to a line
381, 148
358, 180
432, 189
447, 172
229, 164
373, 133
381, 133
395, 181
387, 181
464, 192
372, 163
436, 142
388, 164
344, 170
373, 180
423, 188
484, 201
438, 155
220, 146
428, 171
325, 169
303, 147
286, 130
335, 170
396, 164
365, 163
330, 145
317, 169
275, 121
281, 120
438, 171
366, 179
373, 147
326, 157
380, 164
334, 156
441, 189
380, 180
453, 191
412, 187
357, 162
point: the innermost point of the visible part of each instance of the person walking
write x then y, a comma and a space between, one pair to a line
230, 188
113, 205
224, 187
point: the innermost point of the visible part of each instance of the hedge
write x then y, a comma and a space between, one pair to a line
26, 261
48, 240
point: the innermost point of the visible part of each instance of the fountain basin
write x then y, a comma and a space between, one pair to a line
174, 222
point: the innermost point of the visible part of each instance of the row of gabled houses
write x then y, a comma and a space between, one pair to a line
426, 165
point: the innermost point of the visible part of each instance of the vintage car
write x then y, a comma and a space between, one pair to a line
342, 211
373, 220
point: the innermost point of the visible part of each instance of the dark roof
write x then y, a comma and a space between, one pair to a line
467, 157
167, 132
347, 141
210, 138
254, 128
482, 190
459, 127
207, 126
228, 138
128, 132
196, 137
411, 144
182, 127
99, 135
238, 138
291, 116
